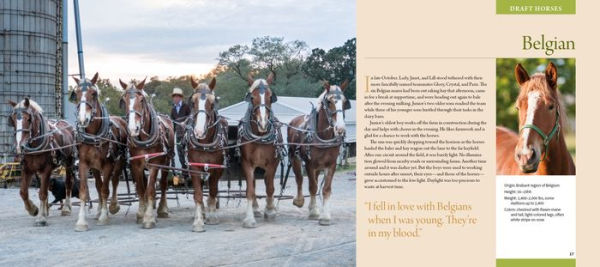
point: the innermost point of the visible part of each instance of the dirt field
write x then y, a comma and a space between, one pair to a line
291, 240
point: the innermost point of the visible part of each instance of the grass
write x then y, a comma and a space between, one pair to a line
570, 140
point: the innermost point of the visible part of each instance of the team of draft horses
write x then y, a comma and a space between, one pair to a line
103, 144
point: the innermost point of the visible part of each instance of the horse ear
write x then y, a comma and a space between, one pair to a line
12, 103
140, 85
94, 79
123, 85
551, 75
193, 82
326, 86
26, 102
250, 79
344, 85
212, 84
76, 79
271, 78
521, 74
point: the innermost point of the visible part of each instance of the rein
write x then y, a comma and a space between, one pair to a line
546, 137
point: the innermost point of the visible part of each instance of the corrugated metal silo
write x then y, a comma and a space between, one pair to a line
30, 64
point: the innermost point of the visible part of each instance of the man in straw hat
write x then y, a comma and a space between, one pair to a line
179, 113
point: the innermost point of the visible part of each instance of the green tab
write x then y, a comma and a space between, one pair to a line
535, 262
542, 7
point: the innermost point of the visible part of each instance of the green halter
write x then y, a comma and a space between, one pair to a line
546, 138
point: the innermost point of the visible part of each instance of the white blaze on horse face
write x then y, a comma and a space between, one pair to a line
263, 112
19, 134
340, 125
200, 119
131, 119
532, 104
83, 107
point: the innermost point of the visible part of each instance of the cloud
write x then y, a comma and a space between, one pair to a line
186, 34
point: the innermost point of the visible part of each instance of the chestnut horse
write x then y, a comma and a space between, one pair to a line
150, 134
323, 132
540, 147
206, 135
43, 145
259, 136
102, 149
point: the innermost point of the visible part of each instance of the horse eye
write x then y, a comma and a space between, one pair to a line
551, 107
517, 107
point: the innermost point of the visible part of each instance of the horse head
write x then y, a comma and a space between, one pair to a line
334, 103
203, 102
134, 102
261, 97
86, 96
539, 115
23, 120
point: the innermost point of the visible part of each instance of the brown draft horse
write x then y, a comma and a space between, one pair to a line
149, 134
324, 130
101, 150
35, 137
259, 134
206, 135
540, 147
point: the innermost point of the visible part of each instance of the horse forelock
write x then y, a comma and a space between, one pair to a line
203, 86
256, 83
332, 88
89, 82
32, 104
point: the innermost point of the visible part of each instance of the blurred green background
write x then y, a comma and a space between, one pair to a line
507, 91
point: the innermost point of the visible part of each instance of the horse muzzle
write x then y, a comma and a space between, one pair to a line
528, 159
339, 131
200, 134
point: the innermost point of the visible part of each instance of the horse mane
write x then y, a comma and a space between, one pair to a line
32, 104
547, 93
255, 84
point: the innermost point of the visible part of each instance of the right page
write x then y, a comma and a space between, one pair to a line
476, 137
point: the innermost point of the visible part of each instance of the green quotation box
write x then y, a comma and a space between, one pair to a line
539, 7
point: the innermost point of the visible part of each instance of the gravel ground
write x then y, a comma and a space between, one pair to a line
290, 240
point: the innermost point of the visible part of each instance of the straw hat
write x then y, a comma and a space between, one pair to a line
177, 91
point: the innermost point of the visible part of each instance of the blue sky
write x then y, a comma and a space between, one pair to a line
138, 38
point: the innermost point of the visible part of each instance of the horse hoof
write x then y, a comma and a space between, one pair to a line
34, 211
81, 227
313, 216
163, 215
114, 208
149, 225
41, 223
270, 215
325, 222
298, 202
65, 213
249, 223
198, 229
103, 221
212, 220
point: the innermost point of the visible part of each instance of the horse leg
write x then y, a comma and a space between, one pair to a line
255, 206
163, 210
103, 207
116, 174
149, 221
98, 181
297, 167
270, 211
249, 221
198, 225
313, 185
66, 208
42, 219
31, 208
325, 218
137, 172
82, 224
213, 187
